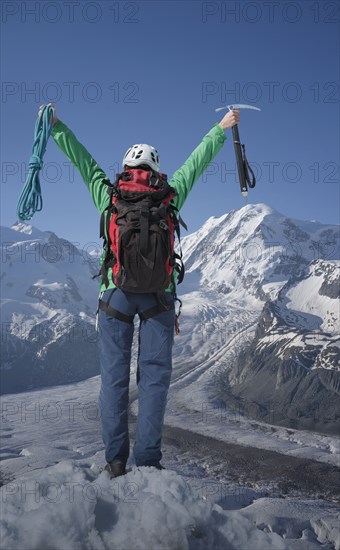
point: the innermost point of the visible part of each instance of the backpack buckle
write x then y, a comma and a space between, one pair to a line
112, 191
163, 225
153, 179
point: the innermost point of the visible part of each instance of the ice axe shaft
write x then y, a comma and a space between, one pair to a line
243, 167
239, 161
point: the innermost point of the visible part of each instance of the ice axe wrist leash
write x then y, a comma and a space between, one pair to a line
243, 167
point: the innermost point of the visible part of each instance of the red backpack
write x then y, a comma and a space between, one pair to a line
139, 228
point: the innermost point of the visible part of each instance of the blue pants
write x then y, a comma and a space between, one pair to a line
156, 336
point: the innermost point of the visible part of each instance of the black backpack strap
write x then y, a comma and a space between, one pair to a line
178, 216
182, 222
179, 267
144, 235
177, 261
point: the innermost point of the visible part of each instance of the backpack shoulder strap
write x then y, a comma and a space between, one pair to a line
112, 191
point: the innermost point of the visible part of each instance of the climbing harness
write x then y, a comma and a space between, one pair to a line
161, 305
30, 200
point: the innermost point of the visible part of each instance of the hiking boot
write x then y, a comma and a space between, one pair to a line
115, 469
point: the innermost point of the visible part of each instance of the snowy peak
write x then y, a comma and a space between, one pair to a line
23, 229
256, 249
249, 216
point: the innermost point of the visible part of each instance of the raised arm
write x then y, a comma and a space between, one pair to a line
185, 177
91, 173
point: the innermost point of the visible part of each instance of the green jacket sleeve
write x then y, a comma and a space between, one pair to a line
184, 178
91, 173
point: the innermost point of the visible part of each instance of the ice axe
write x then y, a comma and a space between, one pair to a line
243, 166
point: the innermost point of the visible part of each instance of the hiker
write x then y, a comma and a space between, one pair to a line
118, 306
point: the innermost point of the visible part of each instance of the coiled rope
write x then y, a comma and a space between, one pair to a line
30, 200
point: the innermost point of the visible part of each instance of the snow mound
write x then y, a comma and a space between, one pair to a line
301, 526
65, 506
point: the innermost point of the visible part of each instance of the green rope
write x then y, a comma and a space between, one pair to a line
30, 200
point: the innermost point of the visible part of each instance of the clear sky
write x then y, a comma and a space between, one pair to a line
154, 71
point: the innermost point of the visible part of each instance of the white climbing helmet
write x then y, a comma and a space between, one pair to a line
142, 154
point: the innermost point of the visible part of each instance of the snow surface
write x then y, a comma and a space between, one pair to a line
64, 506
57, 497
305, 297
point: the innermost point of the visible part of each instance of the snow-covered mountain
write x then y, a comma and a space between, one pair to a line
254, 251
290, 370
265, 305
260, 313
48, 309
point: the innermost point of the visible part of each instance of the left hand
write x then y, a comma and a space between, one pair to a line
55, 120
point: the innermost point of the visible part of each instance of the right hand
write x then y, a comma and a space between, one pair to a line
230, 119
54, 109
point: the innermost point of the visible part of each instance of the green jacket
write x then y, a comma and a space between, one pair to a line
182, 180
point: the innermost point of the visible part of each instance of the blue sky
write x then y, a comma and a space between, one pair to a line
128, 72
